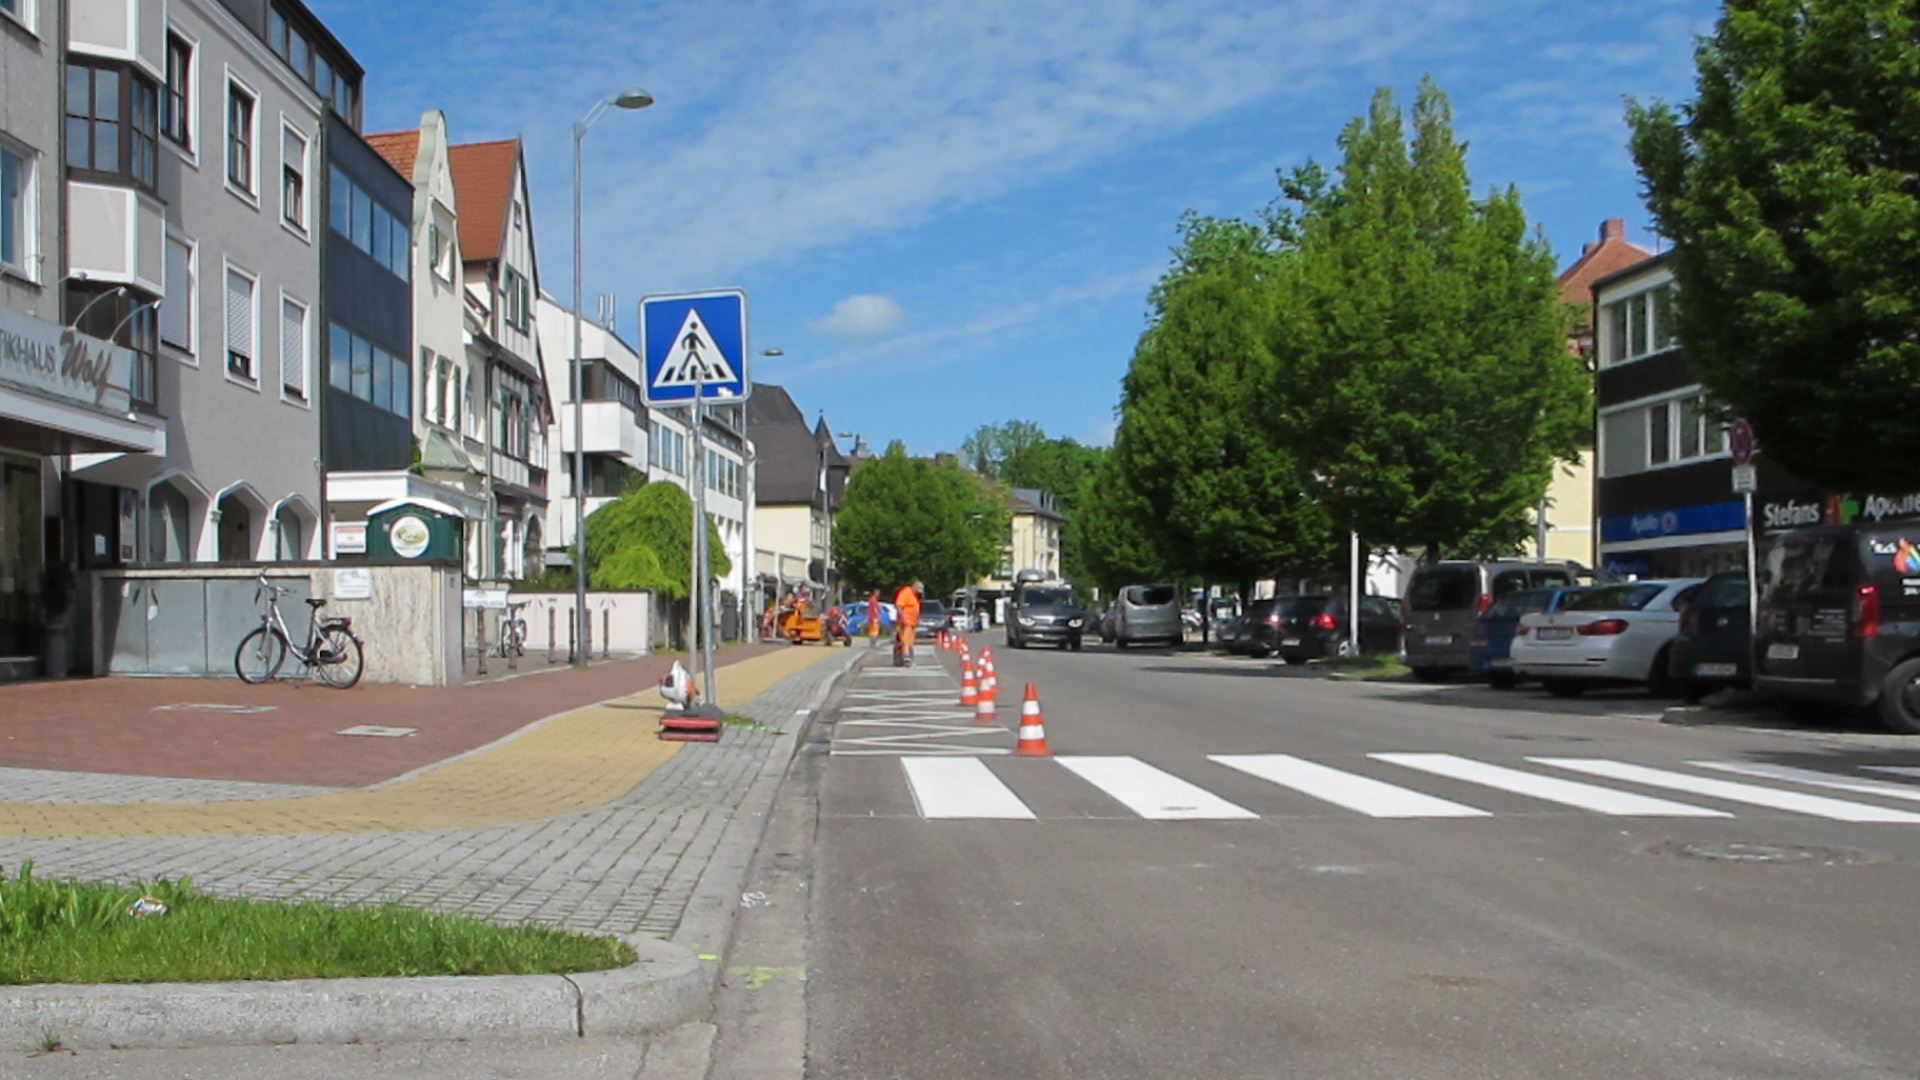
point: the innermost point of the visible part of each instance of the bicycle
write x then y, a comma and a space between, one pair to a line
513, 631
332, 651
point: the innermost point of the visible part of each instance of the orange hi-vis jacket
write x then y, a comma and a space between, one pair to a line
908, 602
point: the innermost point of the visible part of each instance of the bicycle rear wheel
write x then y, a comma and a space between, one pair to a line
337, 658
259, 656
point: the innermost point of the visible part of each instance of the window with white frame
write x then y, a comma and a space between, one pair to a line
1639, 325
176, 97
20, 11
1677, 431
241, 305
241, 137
19, 216
293, 178
293, 348
176, 313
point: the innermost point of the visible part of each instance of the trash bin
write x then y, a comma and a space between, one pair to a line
414, 529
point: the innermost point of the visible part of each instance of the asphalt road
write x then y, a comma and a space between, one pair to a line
1306, 908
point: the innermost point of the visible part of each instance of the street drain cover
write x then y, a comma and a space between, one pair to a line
1736, 852
214, 707
377, 730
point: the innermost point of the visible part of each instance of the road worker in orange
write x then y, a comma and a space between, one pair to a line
906, 603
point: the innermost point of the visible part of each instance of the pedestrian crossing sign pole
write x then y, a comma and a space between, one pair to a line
694, 346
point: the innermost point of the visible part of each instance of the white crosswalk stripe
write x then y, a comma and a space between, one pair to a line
1374, 798
957, 787
1567, 792
1909, 792
1751, 794
1152, 793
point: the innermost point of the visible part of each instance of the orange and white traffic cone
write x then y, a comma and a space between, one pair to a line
969, 688
989, 678
1033, 731
985, 711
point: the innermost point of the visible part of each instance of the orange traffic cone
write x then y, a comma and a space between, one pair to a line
989, 679
985, 711
1033, 731
969, 689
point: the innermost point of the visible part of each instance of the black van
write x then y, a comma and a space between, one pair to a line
1840, 619
1445, 599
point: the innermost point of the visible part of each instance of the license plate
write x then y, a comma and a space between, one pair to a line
1554, 633
1716, 671
1289, 642
1440, 639
1783, 650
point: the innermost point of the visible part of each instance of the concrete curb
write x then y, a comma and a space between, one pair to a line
663, 988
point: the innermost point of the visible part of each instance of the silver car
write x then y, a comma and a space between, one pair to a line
1147, 613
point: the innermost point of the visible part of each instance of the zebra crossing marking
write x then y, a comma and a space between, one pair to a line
1818, 779
1552, 789
909, 722
1793, 801
961, 788
1374, 798
1152, 793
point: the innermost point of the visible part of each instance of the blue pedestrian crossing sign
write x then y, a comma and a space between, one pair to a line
694, 343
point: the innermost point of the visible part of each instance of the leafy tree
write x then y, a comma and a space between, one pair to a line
1421, 366
644, 540
1114, 544
991, 446
1790, 191
1222, 500
905, 518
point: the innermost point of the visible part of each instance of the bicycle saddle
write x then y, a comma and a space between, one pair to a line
313, 601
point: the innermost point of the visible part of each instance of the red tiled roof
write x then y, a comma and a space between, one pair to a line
1611, 253
399, 148
483, 187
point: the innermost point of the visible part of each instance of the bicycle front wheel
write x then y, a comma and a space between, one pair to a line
337, 658
259, 656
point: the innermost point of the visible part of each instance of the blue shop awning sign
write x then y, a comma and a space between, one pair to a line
1680, 521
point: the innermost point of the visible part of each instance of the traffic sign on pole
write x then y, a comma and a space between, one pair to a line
1740, 441
694, 345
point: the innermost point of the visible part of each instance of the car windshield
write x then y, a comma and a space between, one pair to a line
1630, 597
1444, 588
932, 609
1047, 597
1515, 604
1304, 605
1729, 591
1150, 595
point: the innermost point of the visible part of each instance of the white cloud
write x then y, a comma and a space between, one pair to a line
864, 314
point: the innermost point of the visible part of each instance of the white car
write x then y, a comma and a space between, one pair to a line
1614, 634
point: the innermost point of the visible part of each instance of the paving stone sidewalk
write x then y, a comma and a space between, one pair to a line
628, 864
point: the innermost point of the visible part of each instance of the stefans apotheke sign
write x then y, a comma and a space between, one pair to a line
60, 362
1801, 511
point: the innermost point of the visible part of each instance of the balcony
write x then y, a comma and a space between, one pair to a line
116, 234
610, 427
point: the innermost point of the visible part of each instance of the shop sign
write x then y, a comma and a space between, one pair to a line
61, 362
409, 537
349, 538
1680, 521
353, 583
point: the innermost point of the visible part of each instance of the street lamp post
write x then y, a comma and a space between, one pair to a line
630, 98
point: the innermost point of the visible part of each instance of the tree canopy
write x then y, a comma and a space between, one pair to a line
644, 540
1790, 192
904, 518
1020, 454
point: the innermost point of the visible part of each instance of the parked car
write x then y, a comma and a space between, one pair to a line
1146, 613
1046, 613
1714, 648
1312, 626
857, 617
1614, 634
1488, 655
1840, 620
1445, 598
1228, 628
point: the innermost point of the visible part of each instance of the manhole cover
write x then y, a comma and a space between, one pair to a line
214, 707
378, 731
1740, 853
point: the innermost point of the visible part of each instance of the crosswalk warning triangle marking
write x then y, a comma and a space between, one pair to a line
693, 358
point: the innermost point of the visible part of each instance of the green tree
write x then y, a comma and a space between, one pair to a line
1110, 528
1421, 366
1223, 500
991, 446
905, 518
1790, 192
644, 540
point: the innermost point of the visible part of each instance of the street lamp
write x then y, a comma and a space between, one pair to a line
630, 98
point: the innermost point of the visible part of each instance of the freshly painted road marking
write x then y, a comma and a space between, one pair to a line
1371, 797
1817, 778
961, 788
1152, 793
1552, 789
1897, 770
1817, 805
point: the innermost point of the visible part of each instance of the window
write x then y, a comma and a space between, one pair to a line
1675, 432
440, 252
93, 118
293, 348
176, 314
1639, 325
21, 11
307, 56
128, 320
240, 137
372, 228
1660, 434
240, 321
18, 215
293, 178
517, 297
371, 374
176, 105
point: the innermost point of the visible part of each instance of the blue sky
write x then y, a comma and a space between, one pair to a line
948, 213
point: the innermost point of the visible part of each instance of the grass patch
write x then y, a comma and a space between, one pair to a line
61, 931
1366, 668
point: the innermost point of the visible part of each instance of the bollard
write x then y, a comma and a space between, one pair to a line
551, 614
573, 634
480, 632
606, 634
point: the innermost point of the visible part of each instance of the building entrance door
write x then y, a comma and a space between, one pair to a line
21, 559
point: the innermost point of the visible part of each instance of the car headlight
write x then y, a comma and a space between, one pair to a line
1075, 623
1026, 620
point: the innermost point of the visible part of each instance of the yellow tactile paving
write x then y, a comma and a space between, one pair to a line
575, 761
